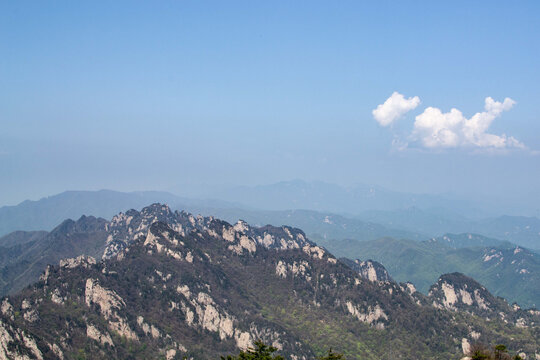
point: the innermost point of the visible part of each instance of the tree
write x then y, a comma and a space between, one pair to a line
261, 351
482, 352
479, 352
332, 356
500, 352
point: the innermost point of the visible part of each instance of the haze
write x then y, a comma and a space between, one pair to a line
191, 97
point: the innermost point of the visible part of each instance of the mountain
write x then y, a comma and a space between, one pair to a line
326, 197
21, 238
320, 225
24, 254
21, 264
468, 240
429, 221
521, 230
458, 292
506, 270
46, 213
171, 285
411, 222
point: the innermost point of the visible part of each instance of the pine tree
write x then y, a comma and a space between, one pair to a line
332, 356
260, 351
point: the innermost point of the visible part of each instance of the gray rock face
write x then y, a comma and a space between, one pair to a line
369, 269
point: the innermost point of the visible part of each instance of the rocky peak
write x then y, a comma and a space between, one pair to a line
126, 228
83, 225
456, 291
81, 260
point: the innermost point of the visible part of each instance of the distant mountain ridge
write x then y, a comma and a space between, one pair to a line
48, 212
318, 224
506, 270
327, 197
521, 230
21, 264
413, 223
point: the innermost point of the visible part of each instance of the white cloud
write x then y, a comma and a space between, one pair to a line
393, 108
435, 129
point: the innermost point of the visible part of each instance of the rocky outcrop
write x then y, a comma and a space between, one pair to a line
371, 315
369, 269
103, 338
126, 228
15, 344
108, 303
7, 309
457, 291
82, 260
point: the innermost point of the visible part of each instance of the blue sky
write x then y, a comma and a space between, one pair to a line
183, 94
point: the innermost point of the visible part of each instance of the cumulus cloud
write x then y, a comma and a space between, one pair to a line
393, 108
435, 129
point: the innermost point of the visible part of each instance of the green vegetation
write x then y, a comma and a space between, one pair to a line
498, 352
261, 351
514, 275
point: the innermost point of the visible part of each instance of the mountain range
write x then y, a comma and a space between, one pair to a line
333, 198
522, 230
167, 284
388, 240
505, 269
412, 222
48, 212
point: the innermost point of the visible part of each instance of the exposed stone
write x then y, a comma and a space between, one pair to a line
7, 335
316, 252
211, 319
241, 226
521, 323
25, 304
57, 351
148, 329
373, 313
93, 333
228, 234
109, 302
7, 309
184, 290
465, 346
45, 276
83, 260
281, 269
243, 340
31, 315
170, 354
56, 297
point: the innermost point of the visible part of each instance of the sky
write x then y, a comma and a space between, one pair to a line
186, 96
